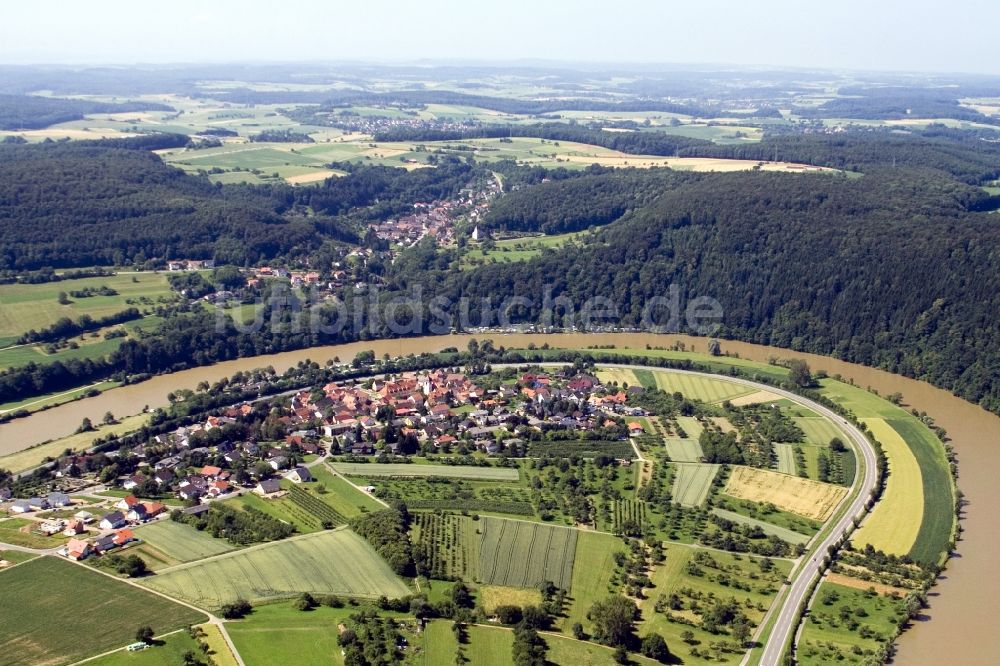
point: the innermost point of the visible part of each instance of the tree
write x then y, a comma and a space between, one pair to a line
305, 602
654, 647
144, 634
578, 632
614, 620
85, 425
800, 373
714, 348
108, 419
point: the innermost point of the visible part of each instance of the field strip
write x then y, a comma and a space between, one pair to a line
903, 496
783, 533
683, 450
693, 482
804, 497
368, 470
755, 398
786, 458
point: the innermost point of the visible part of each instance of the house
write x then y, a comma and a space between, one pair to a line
50, 527
20, 506
268, 487
38, 503
163, 477
77, 549
105, 543
4, 494
137, 514
112, 521
122, 537
299, 475
635, 429
211, 471
133, 482
278, 462
126, 504
84, 517
196, 510
217, 488
74, 527
56, 499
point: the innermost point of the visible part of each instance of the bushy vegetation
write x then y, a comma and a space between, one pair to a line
240, 527
387, 532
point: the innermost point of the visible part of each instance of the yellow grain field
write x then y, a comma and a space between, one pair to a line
491, 596
755, 398
803, 497
894, 523
620, 375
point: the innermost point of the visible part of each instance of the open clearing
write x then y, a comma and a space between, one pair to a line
515, 553
691, 426
804, 497
692, 483
281, 634
181, 542
57, 612
785, 534
786, 458
332, 562
491, 646
370, 470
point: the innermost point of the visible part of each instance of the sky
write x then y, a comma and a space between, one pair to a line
886, 35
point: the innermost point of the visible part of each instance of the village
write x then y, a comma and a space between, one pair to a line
260, 448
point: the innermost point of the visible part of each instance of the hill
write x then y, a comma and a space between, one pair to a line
32, 112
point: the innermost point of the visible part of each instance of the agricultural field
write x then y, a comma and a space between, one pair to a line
697, 387
819, 431
491, 646
904, 495
181, 542
284, 569
448, 544
513, 250
850, 628
93, 613
807, 498
370, 470
34, 306
36, 455
338, 492
691, 426
755, 398
683, 450
458, 494
586, 448
693, 482
791, 536
785, 453
592, 571
515, 553
169, 652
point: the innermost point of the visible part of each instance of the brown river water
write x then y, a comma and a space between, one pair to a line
960, 625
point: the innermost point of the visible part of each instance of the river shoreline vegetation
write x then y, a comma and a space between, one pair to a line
486, 504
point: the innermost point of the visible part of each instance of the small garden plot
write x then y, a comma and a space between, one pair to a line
804, 497
331, 562
181, 542
514, 553
404, 470
693, 482
446, 545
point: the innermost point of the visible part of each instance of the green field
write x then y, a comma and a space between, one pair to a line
786, 457
515, 553
370, 470
10, 532
683, 450
278, 633
53, 611
592, 571
181, 542
35, 306
691, 426
338, 492
698, 387
491, 646
692, 483
331, 562
827, 636
819, 431
513, 250
782, 533
169, 652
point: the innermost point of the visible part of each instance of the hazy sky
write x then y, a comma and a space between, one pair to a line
918, 35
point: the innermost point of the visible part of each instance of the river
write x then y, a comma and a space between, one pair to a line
965, 602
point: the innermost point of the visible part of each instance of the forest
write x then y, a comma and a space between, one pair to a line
35, 112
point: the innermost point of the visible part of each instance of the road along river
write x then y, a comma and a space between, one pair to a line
965, 602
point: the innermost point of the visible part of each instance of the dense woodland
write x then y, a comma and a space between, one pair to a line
34, 112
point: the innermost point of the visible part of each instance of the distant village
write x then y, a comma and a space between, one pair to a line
265, 446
